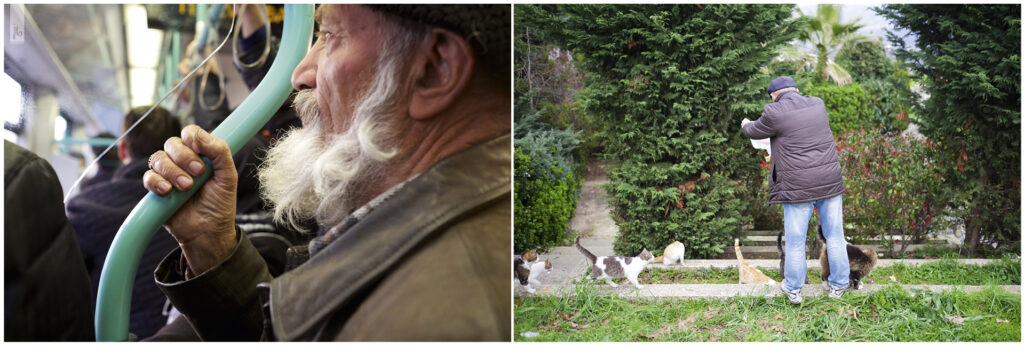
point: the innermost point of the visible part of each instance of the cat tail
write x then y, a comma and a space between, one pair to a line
591, 256
778, 243
737, 245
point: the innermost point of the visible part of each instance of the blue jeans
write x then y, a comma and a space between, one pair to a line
796, 217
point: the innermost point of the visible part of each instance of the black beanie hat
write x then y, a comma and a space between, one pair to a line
487, 27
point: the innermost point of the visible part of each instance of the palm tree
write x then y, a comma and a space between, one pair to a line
825, 35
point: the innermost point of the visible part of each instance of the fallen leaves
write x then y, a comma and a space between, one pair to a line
568, 319
680, 325
1002, 320
853, 312
779, 317
893, 278
684, 324
953, 319
665, 330
956, 320
711, 312
777, 327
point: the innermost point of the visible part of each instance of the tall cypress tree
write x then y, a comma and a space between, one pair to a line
669, 84
970, 56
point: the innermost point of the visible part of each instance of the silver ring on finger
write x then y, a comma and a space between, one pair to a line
149, 163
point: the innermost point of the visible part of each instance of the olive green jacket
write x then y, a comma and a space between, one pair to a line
430, 263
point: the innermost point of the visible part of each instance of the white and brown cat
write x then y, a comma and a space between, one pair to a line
615, 266
674, 253
521, 266
748, 273
536, 269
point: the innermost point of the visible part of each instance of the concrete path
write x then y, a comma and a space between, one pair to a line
773, 264
592, 219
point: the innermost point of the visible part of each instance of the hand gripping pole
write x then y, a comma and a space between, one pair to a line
115, 290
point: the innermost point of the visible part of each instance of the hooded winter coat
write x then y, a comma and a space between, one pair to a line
805, 163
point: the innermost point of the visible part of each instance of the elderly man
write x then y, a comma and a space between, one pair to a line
805, 175
403, 159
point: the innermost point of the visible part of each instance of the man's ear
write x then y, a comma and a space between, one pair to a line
122, 151
441, 69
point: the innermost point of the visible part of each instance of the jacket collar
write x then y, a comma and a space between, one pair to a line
363, 254
785, 94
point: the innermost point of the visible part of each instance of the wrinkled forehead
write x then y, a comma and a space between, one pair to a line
348, 17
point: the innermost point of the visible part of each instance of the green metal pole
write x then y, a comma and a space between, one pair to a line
115, 291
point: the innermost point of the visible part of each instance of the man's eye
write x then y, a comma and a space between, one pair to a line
327, 35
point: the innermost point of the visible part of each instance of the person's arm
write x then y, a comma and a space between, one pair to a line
212, 276
761, 128
252, 43
222, 303
252, 18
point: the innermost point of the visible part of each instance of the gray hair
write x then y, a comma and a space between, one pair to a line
776, 93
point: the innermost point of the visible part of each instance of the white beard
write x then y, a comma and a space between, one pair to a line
313, 173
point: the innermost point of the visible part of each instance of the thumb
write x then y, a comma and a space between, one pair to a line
207, 145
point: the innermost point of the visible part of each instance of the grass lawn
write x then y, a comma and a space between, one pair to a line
890, 314
1005, 271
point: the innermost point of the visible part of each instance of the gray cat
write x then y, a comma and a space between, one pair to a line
608, 267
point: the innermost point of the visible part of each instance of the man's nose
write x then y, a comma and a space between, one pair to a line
304, 76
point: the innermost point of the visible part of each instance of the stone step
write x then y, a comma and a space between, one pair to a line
772, 240
770, 252
771, 233
773, 264
696, 291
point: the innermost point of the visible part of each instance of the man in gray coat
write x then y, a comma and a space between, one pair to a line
805, 175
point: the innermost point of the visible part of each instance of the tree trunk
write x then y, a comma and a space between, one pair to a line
822, 63
973, 224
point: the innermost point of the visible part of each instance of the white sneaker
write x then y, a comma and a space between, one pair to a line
794, 296
835, 292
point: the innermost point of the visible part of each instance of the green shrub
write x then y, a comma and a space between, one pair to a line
886, 82
847, 105
546, 190
892, 187
652, 210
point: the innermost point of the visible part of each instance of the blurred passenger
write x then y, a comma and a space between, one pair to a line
98, 212
46, 287
105, 167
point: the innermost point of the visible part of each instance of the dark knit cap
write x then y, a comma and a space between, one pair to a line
780, 83
487, 27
